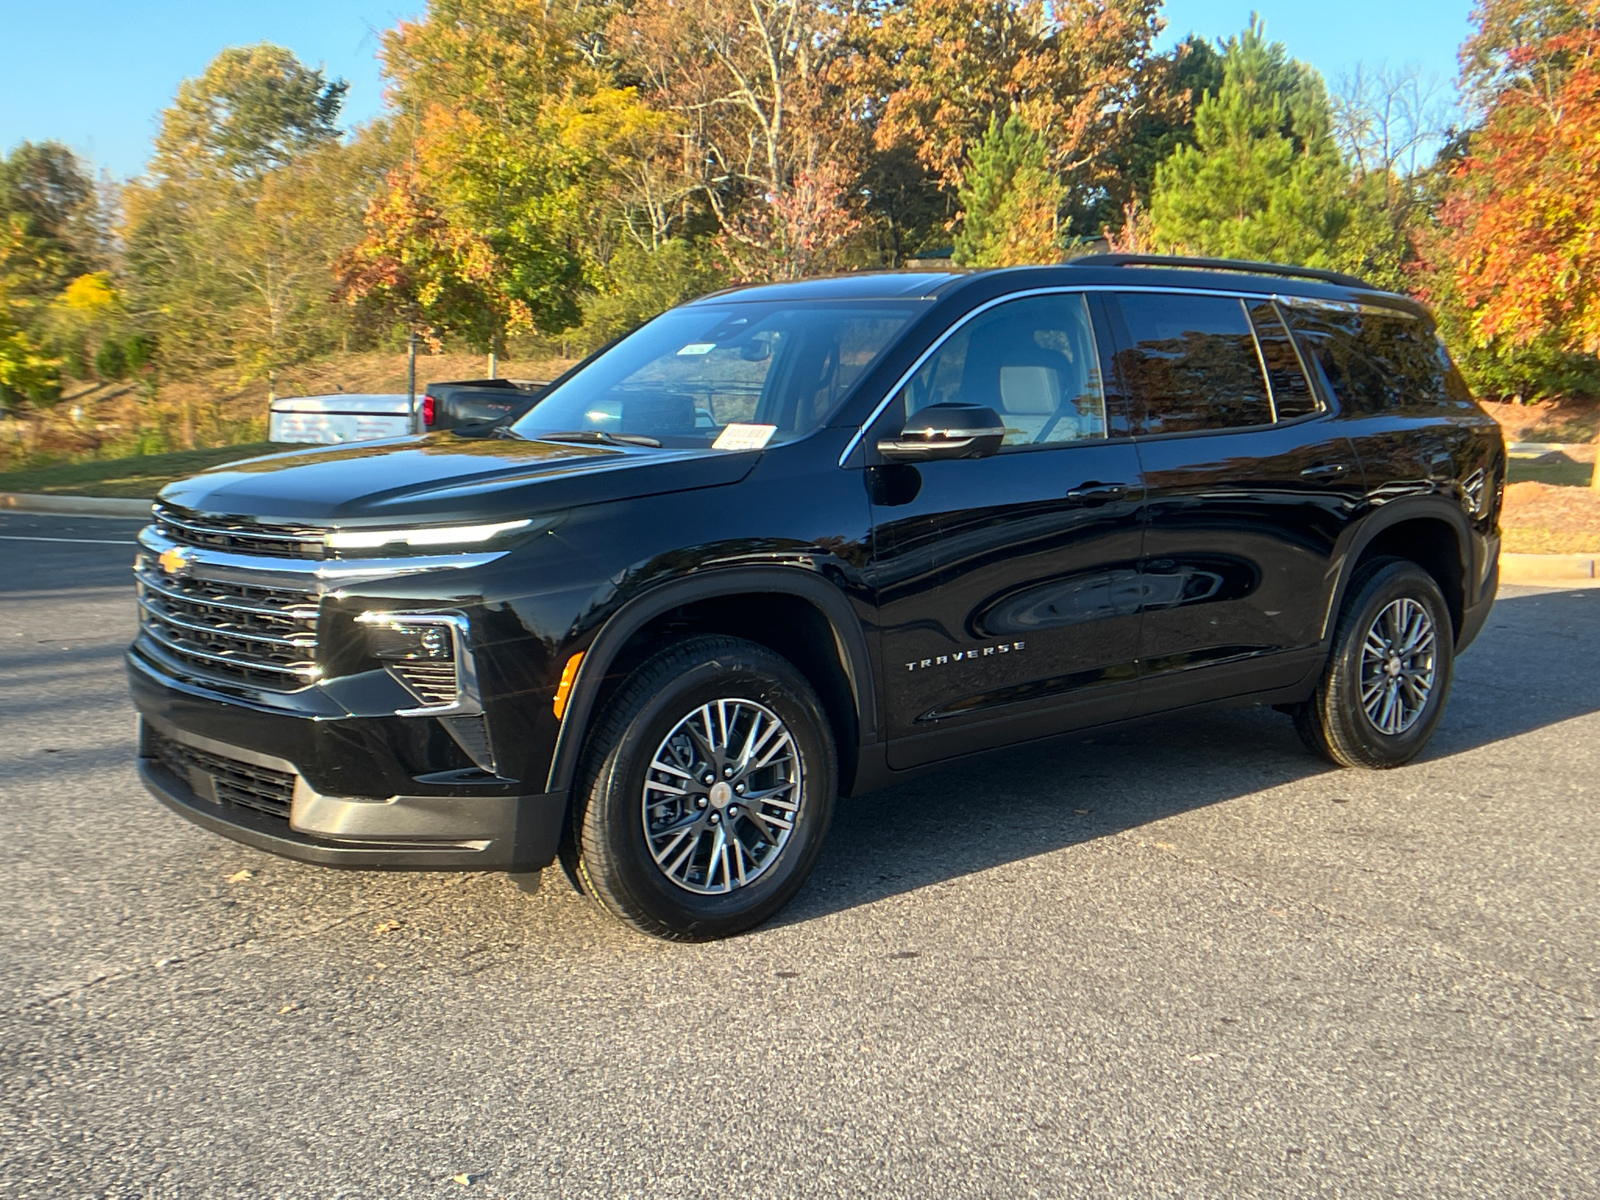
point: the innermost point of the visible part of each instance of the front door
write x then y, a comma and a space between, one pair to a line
1250, 484
1007, 587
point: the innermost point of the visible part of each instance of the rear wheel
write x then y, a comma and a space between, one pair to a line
1387, 680
707, 790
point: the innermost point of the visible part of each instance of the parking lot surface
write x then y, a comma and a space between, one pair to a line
1178, 959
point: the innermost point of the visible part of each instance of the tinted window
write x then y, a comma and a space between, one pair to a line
689, 373
1377, 361
1291, 391
486, 408
1192, 361
1033, 361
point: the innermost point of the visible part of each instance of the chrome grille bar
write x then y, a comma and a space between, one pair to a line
306, 671
159, 612
299, 542
302, 613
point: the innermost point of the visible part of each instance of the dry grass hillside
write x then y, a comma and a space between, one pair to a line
102, 421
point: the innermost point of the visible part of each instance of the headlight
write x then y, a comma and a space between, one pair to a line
446, 535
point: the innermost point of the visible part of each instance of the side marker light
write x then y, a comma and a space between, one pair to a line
569, 675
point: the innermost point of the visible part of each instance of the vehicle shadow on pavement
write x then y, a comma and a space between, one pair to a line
1537, 664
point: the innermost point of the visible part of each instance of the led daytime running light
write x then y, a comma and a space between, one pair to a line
447, 535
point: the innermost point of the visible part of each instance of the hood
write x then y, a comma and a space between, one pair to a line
441, 477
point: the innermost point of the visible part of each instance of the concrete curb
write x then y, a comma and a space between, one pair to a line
73, 506
1550, 568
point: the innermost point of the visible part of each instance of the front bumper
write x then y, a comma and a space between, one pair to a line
1476, 616
196, 776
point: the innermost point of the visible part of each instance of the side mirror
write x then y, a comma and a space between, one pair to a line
946, 431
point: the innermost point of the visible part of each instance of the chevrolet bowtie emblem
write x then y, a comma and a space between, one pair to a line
173, 561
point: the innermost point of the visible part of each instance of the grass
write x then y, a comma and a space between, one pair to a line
1536, 539
1561, 473
136, 478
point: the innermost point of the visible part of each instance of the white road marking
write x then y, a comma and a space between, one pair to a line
13, 537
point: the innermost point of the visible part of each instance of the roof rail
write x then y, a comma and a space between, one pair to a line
1222, 264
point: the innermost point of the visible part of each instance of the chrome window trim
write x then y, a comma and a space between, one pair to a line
1261, 361
1346, 306
1325, 403
1081, 288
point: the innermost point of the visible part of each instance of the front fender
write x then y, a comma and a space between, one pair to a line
803, 581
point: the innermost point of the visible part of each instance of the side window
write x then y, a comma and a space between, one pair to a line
1192, 361
1376, 361
1292, 396
1032, 360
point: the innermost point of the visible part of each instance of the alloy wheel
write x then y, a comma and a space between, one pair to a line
721, 796
1398, 666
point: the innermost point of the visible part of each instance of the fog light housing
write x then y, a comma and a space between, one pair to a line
428, 654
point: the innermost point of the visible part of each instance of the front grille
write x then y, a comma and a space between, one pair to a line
240, 537
233, 783
242, 633
434, 683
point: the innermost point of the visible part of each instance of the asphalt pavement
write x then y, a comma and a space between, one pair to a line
1180, 959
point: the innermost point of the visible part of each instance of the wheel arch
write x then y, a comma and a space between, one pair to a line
845, 684
1432, 533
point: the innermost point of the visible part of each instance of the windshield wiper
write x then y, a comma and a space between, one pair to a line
599, 436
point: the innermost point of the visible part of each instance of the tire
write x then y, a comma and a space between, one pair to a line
644, 826
1377, 721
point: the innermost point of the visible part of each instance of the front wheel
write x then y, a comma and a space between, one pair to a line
1384, 691
707, 791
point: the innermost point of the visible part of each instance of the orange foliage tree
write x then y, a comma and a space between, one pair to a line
1521, 226
1078, 72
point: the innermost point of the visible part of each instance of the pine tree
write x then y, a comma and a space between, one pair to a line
1010, 200
1265, 179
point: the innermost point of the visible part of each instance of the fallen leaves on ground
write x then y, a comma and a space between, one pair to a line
1541, 519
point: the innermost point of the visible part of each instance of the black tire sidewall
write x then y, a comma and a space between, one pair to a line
616, 797
1353, 732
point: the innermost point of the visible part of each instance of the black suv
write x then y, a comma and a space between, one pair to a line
798, 541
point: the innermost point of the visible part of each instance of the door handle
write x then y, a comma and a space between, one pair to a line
1323, 471
1095, 492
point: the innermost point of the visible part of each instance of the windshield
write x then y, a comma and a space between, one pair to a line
731, 376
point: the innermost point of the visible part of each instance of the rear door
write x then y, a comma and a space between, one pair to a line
1007, 587
1250, 483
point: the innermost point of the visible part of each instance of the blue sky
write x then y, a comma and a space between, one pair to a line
95, 73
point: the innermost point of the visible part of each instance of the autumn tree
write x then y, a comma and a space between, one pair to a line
766, 145
416, 270
1521, 227
50, 235
250, 198
1080, 73
535, 160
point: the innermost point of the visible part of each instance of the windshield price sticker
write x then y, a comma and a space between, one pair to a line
698, 348
744, 437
